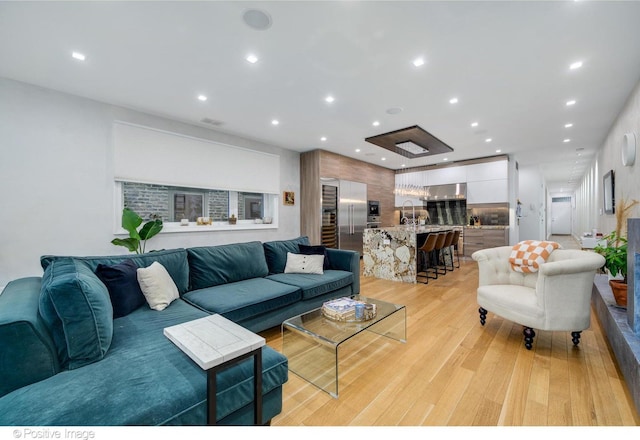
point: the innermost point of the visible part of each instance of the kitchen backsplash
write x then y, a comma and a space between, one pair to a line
457, 213
489, 214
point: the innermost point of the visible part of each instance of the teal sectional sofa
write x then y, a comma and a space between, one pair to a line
66, 360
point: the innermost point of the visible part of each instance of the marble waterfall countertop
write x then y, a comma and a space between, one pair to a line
391, 253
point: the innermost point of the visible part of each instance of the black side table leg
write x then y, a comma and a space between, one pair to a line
211, 396
257, 388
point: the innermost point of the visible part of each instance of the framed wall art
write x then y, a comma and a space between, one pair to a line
608, 185
289, 198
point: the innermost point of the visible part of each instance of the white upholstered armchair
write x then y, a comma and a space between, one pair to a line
556, 298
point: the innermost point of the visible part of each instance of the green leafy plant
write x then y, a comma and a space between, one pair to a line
615, 254
137, 238
615, 249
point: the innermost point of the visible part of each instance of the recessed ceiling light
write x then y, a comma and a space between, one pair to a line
572, 102
202, 98
329, 98
357, 150
498, 151
403, 165
376, 123
568, 125
453, 101
576, 65
474, 124
488, 140
275, 122
78, 56
252, 58
566, 140
383, 158
418, 62
323, 138
445, 159
394, 110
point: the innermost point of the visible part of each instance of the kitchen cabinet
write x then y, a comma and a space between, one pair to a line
476, 238
487, 171
488, 191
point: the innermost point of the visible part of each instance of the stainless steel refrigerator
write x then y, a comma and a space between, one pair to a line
352, 214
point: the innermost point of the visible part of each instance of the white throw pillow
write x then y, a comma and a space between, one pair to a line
157, 286
299, 263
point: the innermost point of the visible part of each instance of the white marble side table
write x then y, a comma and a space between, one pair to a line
215, 343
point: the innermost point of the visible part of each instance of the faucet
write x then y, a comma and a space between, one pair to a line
404, 217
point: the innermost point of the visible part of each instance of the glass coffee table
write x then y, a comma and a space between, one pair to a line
311, 341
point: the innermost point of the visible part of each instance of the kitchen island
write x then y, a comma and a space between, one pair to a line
391, 253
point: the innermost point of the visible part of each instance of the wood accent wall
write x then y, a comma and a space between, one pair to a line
319, 163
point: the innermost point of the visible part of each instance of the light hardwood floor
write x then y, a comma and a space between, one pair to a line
454, 372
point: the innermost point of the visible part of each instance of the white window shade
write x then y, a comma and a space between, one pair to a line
148, 155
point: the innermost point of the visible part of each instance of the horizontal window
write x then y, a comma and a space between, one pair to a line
181, 205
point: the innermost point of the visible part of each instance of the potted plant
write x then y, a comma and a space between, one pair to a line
137, 238
614, 251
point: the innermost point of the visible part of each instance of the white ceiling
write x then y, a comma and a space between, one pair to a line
506, 62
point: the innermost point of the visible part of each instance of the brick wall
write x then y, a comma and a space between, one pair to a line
147, 200
153, 200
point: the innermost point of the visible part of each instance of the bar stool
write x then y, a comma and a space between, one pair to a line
440, 268
446, 251
426, 251
454, 245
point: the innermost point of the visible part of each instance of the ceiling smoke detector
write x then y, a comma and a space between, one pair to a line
257, 19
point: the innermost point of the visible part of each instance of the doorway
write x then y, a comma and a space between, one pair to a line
561, 216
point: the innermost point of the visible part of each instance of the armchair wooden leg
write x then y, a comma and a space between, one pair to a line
529, 334
483, 315
575, 337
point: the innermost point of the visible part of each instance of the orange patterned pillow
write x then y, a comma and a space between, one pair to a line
528, 255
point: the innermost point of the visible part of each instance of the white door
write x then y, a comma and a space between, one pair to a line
561, 216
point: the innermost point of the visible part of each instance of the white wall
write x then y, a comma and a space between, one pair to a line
589, 201
56, 170
532, 197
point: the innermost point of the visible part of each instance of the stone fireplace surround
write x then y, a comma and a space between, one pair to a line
622, 326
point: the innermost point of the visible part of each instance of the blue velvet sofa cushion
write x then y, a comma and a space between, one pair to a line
215, 265
313, 285
174, 260
27, 352
122, 283
244, 299
76, 308
276, 252
143, 380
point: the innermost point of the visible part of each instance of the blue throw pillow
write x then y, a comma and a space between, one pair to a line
276, 252
75, 306
122, 283
315, 250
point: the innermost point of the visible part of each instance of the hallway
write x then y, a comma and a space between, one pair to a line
566, 241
